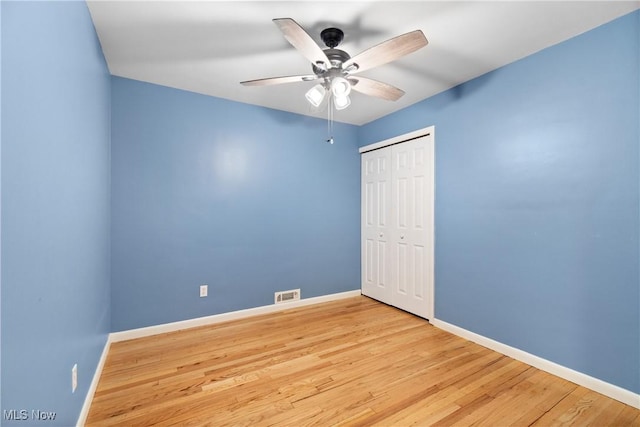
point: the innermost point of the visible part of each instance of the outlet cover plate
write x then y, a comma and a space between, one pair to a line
204, 291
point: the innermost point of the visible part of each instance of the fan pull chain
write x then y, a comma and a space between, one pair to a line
330, 119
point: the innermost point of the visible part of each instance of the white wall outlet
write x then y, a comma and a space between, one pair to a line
204, 291
74, 378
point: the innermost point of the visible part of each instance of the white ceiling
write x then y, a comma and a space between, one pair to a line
210, 46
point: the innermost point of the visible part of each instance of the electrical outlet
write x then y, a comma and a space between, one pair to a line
204, 291
74, 378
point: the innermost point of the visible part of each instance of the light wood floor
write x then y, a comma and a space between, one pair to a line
349, 362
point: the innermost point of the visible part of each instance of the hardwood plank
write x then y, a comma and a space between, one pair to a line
349, 362
450, 397
586, 407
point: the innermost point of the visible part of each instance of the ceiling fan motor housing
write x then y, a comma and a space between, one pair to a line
337, 58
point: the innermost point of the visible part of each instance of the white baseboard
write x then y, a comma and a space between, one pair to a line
84, 413
602, 387
225, 317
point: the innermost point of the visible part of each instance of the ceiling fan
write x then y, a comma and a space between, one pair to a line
337, 70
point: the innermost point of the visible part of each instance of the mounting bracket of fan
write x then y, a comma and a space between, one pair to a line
332, 37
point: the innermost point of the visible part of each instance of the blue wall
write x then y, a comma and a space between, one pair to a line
245, 199
0, 208
537, 201
55, 206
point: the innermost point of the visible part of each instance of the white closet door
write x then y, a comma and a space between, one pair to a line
411, 219
376, 199
397, 224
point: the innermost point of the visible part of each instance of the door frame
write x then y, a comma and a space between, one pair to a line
427, 131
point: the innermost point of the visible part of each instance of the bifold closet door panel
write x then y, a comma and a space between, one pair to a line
409, 266
376, 221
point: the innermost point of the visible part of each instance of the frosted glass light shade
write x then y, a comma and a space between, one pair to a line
341, 102
315, 95
340, 87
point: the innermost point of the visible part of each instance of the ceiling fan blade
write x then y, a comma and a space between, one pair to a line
387, 51
375, 88
279, 80
301, 40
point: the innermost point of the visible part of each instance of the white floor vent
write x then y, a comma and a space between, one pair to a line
286, 296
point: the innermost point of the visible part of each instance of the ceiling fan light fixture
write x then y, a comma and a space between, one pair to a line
316, 95
341, 102
333, 66
340, 87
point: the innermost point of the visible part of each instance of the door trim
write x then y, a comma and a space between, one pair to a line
427, 131
430, 130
